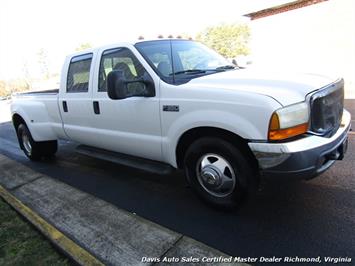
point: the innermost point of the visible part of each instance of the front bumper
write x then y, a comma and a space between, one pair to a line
303, 158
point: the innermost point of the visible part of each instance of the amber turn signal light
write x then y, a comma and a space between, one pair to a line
281, 134
289, 121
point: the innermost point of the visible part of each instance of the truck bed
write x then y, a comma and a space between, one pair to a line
55, 91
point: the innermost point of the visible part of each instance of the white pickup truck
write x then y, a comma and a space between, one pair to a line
175, 104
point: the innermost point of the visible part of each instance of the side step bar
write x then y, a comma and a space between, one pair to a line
127, 160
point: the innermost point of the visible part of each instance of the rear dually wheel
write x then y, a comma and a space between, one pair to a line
35, 150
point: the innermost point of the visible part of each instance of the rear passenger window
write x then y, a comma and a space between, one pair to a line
79, 73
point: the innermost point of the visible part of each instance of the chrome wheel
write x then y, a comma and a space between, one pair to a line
26, 143
215, 175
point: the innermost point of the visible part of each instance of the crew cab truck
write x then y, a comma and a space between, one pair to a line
167, 104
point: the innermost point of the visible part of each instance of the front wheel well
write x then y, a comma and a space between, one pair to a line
193, 134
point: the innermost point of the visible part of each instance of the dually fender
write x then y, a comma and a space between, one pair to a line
206, 118
36, 118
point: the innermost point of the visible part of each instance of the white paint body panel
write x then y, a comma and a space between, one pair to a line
78, 121
41, 115
244, 113
239, 101
286, 88
132, 125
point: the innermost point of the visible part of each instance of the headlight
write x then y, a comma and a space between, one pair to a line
289, 121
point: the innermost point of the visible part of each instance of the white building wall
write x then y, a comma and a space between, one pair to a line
319, 39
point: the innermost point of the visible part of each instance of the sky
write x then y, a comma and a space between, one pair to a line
59, 26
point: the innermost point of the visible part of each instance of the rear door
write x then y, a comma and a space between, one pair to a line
75, 99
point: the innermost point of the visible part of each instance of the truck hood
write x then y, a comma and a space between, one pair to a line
285, 88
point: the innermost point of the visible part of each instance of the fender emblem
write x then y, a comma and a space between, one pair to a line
171, 108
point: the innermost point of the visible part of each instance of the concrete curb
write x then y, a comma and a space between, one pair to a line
89, 230
74, 251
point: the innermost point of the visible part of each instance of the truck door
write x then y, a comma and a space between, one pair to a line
132, 125
75, 98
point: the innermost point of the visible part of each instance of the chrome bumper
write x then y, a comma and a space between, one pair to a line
308, 156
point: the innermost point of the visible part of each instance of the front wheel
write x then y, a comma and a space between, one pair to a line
35, 150
218, 171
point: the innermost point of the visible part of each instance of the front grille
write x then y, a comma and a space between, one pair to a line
327, 109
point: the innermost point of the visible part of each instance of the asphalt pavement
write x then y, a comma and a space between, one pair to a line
286, 218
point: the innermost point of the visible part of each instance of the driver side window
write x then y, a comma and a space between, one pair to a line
121, 59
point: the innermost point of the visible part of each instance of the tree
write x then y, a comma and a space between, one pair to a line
43, 62
230, 40
11, 86
3, 91
26, 74
83, 46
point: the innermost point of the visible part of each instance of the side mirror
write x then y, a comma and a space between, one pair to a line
120, 88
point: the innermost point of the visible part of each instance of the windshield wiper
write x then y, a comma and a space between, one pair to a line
201, 71
189, 71
226, 67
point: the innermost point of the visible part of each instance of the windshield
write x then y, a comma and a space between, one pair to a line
178, 61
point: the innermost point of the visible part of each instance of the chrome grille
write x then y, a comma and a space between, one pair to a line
327, 109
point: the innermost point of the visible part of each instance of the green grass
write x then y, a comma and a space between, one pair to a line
22, 244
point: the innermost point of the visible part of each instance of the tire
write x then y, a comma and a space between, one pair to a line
219, 172
35, 150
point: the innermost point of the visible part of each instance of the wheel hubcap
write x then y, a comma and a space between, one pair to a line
216, 175
26, 143
210, 176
